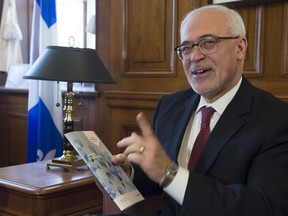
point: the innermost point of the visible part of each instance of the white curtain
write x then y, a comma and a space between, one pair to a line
10, 36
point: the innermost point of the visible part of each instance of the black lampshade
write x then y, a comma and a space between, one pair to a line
70, 65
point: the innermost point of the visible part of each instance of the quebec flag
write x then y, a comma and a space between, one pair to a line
45, 124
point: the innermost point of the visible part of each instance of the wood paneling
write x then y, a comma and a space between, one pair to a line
148, 37
274, 53
285, 42
253, 61
138, 50
13, 130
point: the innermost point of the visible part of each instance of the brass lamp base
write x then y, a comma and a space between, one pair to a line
68, 161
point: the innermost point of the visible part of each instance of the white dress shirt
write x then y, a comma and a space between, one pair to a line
177, 187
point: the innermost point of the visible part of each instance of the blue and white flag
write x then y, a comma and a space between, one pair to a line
45, 124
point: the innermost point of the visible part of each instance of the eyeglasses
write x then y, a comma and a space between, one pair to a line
207, 46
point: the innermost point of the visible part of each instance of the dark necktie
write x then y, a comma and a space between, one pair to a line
207, 112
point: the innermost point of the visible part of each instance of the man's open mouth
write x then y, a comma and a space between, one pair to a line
200, 71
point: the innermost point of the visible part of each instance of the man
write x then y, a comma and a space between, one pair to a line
243, 166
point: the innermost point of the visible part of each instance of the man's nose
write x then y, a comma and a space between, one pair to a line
196, 54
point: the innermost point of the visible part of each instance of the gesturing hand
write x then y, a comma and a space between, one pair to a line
146, 151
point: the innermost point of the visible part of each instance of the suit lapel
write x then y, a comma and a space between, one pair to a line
229, 123
180, 121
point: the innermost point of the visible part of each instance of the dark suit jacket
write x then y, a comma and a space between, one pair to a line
243, 169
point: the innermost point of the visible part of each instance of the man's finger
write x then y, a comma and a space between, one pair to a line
119, 159
144, 125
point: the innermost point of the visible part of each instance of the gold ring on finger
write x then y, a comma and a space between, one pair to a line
141, 150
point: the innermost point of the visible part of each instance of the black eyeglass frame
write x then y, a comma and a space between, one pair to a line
216, 38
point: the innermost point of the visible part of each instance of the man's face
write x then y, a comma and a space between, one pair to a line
215, 74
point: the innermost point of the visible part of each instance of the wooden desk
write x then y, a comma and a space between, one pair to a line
31, 189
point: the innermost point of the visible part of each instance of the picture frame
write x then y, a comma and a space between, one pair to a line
242, 3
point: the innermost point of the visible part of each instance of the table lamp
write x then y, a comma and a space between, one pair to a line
70, 65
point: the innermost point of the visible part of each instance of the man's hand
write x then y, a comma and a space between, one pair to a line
144, 150
121, 160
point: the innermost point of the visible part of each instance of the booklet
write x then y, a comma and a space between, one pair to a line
112, 177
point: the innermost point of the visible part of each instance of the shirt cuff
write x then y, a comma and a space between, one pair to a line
176, 189
132, 173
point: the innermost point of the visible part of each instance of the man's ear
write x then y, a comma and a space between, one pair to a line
242, 48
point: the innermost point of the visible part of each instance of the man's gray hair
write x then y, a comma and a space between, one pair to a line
234, 20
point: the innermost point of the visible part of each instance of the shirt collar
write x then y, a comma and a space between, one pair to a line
220, 104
